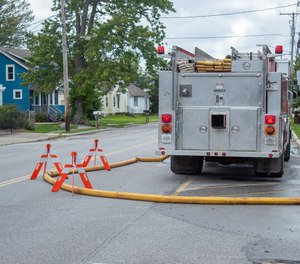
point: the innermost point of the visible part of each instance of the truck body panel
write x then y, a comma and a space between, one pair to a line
222, 109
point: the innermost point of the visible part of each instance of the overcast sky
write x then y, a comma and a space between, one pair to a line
254, 23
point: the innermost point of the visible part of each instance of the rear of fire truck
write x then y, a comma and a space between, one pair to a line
229, 111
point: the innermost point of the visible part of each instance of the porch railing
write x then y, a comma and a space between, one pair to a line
53, 113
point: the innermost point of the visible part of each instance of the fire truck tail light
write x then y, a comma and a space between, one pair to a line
166, 118
161, 50
270, 130
279, 49
166, 138
166, 128
270, 140
270, 119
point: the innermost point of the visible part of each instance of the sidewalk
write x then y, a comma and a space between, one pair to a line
295, 143
7, 138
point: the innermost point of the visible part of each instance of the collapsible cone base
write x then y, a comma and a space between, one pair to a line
96, 151
44, 160
63, 175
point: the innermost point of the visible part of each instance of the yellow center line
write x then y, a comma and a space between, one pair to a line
8, 182
182, 187
130, 148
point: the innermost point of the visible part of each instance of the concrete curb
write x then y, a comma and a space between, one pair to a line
295, 141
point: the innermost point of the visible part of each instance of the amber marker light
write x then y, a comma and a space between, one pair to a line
166, 128
270, 130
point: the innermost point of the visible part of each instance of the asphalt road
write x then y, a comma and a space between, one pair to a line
39, 226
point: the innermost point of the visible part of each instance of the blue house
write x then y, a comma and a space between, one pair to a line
12, 64
12, 92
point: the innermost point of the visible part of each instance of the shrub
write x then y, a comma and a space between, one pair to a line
10, 118
40, 117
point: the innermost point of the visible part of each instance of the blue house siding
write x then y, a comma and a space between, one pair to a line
24, 97
25, 102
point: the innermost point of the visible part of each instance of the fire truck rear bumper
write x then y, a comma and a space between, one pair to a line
219, 153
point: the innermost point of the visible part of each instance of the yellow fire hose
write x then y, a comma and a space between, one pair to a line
167, 198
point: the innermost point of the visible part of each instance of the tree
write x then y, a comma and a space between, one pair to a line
150, 83
15, 16
107, 40
294, 86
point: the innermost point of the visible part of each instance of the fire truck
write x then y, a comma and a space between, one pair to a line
234, 110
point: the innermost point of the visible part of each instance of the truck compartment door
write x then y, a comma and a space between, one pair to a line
194, 127
243, 129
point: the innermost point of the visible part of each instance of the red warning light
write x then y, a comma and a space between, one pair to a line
161, 50
166, 118
270, 119
279, 49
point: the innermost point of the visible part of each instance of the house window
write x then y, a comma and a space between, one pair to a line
135, 101
56, 98
37, 100
18, 94
106, 101
10, 72
118, 100
114, 101
44, 99
50, 99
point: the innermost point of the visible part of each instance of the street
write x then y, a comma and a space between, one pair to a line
40, 226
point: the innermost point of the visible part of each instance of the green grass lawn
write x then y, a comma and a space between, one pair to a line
296, 128
105, 122
47, 128
124, 120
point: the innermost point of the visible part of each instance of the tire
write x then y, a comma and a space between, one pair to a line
261, 174
287, 152
186, 164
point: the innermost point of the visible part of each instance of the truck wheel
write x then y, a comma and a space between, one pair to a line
287, 152
261, 174
186, 164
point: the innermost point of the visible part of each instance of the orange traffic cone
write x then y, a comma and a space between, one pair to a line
93, 152
70, 167
44, 160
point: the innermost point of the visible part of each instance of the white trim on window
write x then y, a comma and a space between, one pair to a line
10, 72
17, 94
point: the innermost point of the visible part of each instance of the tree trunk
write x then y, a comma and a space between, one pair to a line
78, 116
79, 64
82, 24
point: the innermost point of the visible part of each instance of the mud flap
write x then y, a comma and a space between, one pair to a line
274, 166
186, 164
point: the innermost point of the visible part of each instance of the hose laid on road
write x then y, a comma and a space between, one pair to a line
167, 198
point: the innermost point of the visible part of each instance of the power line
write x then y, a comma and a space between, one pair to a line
229, 14
231, 36
42, 20
293, 16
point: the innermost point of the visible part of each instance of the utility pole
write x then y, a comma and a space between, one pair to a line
65, 67
292, 36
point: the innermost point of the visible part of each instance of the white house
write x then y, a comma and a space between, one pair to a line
134, 101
